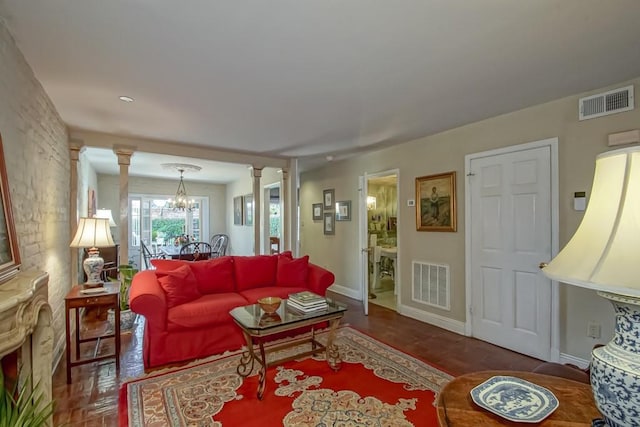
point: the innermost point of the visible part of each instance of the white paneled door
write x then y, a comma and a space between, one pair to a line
510, 234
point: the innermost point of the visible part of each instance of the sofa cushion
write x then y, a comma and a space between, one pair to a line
208, 310
292, 272
253, 295
255, 271
179, 285
214, 275
167, 264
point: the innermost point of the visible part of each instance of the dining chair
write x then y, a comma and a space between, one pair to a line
219, 244
195, 251
274, 245
147, 256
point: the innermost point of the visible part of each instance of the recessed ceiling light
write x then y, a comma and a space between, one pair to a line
126, 99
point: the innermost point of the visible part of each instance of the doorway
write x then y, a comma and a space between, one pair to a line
511, 218
155, 225
379, 235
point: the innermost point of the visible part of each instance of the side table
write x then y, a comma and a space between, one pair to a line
74, 301
456, 408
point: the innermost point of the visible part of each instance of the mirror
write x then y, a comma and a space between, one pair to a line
9, 254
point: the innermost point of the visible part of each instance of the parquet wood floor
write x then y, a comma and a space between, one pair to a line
91, 399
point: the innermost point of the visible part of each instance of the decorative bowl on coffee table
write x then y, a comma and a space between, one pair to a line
269, 304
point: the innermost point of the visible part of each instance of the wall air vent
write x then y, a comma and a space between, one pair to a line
603, 104
430, 284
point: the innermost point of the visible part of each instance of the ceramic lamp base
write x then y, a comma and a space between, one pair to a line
93, 266
615, 368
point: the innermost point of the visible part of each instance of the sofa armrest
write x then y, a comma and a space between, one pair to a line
319, 279
147, 298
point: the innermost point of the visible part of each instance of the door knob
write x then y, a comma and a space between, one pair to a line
542, 265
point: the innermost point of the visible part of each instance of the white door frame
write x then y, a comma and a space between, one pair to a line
552, 143
364, 236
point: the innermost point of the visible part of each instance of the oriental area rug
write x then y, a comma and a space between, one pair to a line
377, 385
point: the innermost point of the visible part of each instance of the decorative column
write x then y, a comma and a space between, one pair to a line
75, 148
124, 160
257, 191
284, 211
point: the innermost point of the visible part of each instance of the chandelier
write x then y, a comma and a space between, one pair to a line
181, 201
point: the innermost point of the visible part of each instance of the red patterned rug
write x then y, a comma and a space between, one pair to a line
377, 385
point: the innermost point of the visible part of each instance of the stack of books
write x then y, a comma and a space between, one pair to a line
307, 302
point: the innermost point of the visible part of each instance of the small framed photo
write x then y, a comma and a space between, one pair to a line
237, 210
248, 209
328, 197
343, 211
436, 202
329, 224
317, 211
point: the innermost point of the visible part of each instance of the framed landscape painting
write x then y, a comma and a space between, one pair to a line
436, 202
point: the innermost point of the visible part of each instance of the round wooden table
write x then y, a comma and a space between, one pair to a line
456, 408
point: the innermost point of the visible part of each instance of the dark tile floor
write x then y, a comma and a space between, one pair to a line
92, 397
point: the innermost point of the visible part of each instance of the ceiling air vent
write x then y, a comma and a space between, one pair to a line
603, 104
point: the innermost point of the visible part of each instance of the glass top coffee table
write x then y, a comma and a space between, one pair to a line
258, 327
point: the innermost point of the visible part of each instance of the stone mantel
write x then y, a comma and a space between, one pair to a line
25, 324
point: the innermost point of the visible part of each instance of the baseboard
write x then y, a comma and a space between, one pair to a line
432, 319
567, 358
347, 292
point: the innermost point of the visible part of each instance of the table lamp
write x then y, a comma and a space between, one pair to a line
105, 213
93, 233
604, 255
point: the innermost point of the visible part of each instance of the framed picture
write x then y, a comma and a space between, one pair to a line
328, 196
329, 223
343, 211
436, 202
317, 211
247, 209
9, 254
237, 210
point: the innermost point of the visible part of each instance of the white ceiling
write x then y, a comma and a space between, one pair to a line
315, 78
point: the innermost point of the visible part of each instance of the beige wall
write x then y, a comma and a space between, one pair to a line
37, 159
579, 143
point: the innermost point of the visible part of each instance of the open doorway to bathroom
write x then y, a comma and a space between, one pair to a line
382, 227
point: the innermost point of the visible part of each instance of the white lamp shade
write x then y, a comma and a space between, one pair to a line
604, 252
105, 213
92, 233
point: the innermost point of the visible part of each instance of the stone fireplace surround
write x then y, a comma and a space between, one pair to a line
25, 326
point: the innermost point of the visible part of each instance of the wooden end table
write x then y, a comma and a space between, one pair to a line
74, 301
456, 408
259, 327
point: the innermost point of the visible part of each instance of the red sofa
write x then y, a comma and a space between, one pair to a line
186, 304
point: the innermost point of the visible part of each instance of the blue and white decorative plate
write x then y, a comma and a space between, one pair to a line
515, 399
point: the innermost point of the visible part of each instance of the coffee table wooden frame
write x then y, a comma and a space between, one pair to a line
257, 337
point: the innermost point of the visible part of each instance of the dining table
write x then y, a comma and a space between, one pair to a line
173, 252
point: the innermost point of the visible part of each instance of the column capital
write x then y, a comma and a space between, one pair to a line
76, 146
124, 155
256, 171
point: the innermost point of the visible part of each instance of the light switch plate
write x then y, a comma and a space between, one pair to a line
411, 202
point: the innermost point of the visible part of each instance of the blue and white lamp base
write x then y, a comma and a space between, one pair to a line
93, 266
615, 367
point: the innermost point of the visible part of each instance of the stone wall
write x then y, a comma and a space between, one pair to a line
37, 159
